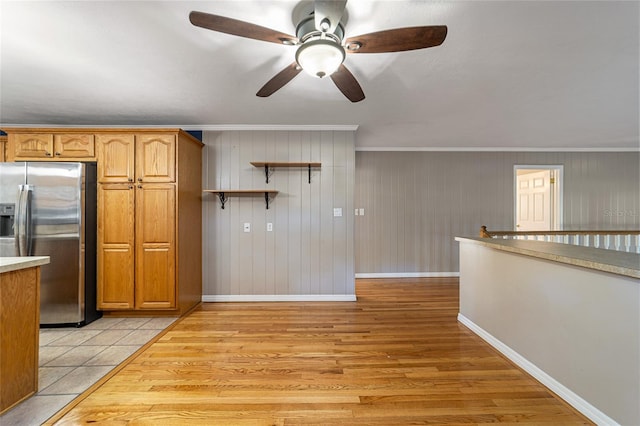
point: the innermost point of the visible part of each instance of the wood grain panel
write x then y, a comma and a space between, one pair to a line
19, 325
396, 356
156, 158
81, 146
155, 246
116, 158
29, 146
189, 222
116, 236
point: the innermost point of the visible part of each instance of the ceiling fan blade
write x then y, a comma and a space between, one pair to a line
329, 11
279, 80
347, 83
236, 27
397, 40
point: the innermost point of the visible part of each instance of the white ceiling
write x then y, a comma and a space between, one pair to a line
514, 74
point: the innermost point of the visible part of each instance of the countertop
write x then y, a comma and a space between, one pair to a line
8, 264
615, 262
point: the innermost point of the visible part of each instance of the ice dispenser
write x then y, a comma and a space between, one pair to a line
7, 213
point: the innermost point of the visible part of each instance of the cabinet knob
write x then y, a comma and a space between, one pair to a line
139, 179
47, 154
57, 154
139, 186
130, 186
130, 179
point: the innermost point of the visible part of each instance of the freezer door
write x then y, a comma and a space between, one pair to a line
12, 175
56, 229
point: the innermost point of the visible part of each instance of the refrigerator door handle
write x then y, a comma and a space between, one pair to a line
23, 222
17, 224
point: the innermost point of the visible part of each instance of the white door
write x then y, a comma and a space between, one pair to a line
533, 203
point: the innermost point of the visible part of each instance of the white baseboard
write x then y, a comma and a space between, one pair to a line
280, 298
558, 388
408, 275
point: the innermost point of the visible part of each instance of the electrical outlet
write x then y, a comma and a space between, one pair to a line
361, 212
337, 211
269, 227
247, 227
356, 212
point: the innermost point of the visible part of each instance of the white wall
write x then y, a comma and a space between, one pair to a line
309, 253
579, 326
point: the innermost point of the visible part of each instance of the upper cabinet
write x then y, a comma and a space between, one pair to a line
136, 157
116, 158
51, 146
156, 158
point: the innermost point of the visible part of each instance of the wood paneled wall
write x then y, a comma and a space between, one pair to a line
309, 255
416, 203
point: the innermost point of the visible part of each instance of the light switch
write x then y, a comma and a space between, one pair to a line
337, 211
356, 212
361, 212
247, 227
269, 227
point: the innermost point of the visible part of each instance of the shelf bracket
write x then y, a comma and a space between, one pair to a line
223, 199
266, 199
309, 168
268, 172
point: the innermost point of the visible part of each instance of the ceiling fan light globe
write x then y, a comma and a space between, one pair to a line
320, 58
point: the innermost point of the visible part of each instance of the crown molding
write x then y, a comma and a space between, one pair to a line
492, 149
204, 127
272, 127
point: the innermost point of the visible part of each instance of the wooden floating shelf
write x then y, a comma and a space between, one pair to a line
273, 164
224, 194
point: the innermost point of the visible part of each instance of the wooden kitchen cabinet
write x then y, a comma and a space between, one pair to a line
155, 158
142, 219
116, 158
149, 248
155, 246
116, 251
51, 146
3, 145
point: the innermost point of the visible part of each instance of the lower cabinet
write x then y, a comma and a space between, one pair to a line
136, 240
155, 286
116, 246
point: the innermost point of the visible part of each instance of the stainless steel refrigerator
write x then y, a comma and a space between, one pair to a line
49, 209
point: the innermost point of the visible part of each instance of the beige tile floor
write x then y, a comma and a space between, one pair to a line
73, 359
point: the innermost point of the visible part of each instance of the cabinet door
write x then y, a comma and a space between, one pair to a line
115, 158
30, 146
116, 204
155, 246
156, 158
74, 146
3, 144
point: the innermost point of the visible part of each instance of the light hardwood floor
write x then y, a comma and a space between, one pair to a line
396, 356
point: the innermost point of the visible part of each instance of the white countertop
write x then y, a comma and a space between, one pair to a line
615, 262
8, 264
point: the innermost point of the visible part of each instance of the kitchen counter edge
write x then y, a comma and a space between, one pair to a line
9, 264
615, 262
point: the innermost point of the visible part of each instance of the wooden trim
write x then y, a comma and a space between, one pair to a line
484, 233
10, 130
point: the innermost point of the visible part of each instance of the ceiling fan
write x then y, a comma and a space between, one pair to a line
320, 37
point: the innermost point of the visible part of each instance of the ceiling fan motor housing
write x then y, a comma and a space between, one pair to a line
306, 30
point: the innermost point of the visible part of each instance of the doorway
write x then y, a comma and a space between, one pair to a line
538, 198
